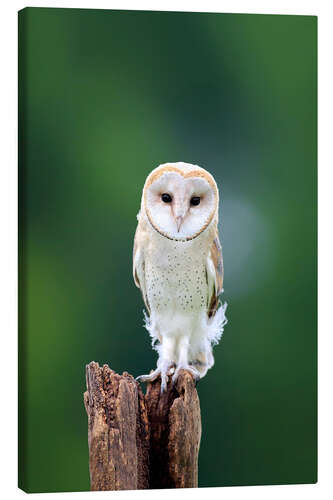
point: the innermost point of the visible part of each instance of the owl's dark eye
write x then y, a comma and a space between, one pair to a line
195, 200
166, 198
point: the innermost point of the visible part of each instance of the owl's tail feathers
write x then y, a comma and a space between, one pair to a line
216, 324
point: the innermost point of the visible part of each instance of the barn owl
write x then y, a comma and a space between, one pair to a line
177, 264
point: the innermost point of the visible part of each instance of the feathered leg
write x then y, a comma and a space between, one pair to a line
165, 363
182, 362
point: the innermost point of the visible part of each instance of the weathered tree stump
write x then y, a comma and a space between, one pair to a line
141, 441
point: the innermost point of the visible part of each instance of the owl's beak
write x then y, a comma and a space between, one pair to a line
179, 222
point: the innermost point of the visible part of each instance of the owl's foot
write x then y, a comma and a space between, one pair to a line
166, 370
194, 372
159, 372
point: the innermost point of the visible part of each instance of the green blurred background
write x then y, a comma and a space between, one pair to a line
105, 96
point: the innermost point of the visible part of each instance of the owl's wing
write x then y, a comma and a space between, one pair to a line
139, 267
214, 270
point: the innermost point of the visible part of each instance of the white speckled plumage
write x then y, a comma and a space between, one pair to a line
177, 264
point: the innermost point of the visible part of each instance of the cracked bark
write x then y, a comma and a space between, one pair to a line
139, 441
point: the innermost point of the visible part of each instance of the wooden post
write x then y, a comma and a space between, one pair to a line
137, 441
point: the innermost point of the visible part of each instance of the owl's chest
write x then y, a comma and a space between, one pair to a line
176, 278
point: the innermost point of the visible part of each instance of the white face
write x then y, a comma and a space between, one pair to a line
180, 207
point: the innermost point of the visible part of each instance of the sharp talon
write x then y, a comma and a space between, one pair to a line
148, 378
164, 382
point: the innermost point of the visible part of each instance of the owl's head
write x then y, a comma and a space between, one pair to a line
180, 200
